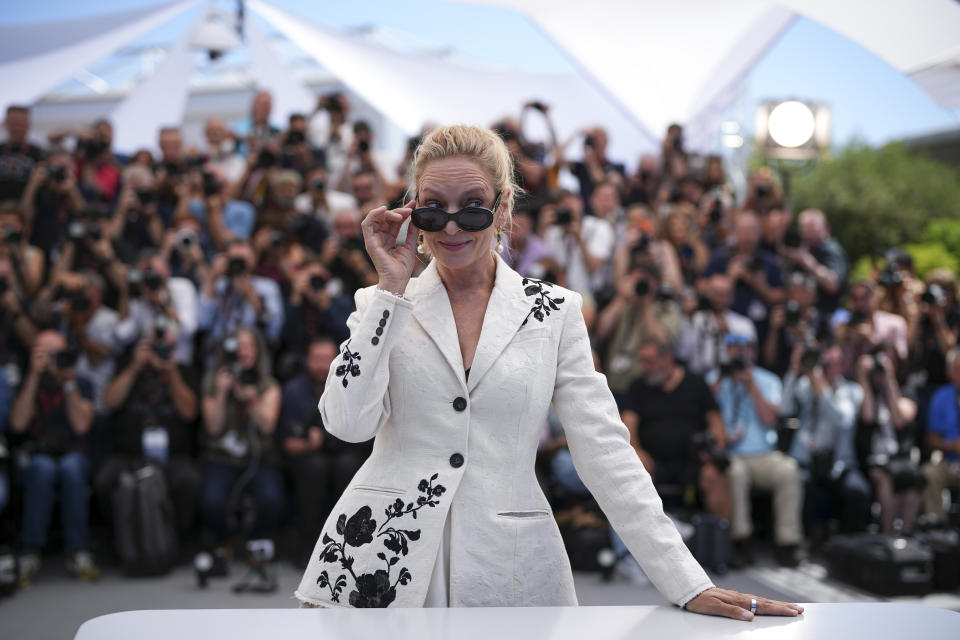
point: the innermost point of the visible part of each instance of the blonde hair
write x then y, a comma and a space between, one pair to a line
483, 146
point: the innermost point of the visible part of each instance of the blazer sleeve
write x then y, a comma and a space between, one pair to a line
600, 447
355, 402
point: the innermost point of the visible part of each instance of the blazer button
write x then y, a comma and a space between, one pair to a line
456, 461
460, 404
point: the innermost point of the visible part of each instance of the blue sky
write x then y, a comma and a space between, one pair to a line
869, 99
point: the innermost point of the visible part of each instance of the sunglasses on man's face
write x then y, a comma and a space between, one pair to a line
468, 218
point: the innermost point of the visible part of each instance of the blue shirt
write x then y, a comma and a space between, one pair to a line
740, 416
942, 416
229, 311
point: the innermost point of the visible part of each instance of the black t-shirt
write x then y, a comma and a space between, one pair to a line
150, 403
668, 421
582, 173
16, 165
50, 431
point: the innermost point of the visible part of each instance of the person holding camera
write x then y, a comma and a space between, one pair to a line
317, 306
814, 251
52, 415
50, 201
18, 156
755, 273
641, 310
322, 464
241, 404
320, 200
153, 408
97, 167
344, 254
25, 263
221, 150
157, 297
529, 255
935, 333
701, 345
583, 245
302, 229
826, 407
677, 429
367, 192
749, 398
595, 167
884, 431
233, 297
943, 435
764, 192
361, 157
862, 328
793, 323
330, 130
136, 223
252, 132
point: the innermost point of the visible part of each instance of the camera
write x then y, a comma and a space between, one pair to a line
810, 358
162, 349
211, 186
185, 239
248, 376
78, 300
792, 238
66, 358
757, 264
642, 288
91, 147
145, 196
934, 295
317, 185
763, 190
890, 277
295, 137
276, 240
58, 173
704, 442
588, 141
266, 159
353, 243
363, 146
152, 280
317, 282
858, 318
332, 102
539, 106
236, 267
12, 235
793, 312
733, 365
716, 211
564, 217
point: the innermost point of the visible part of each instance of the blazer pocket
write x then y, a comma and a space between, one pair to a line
386, 491
525, 515
530, 334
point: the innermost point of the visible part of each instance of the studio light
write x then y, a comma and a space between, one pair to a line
792, 129
214, 34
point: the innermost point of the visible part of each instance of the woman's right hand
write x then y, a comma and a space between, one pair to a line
394, 264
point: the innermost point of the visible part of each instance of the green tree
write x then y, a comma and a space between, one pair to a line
878, 198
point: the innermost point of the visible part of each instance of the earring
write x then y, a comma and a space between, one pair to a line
499, 238
420, 248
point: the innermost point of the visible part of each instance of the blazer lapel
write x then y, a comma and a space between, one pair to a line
506, 311
432, 310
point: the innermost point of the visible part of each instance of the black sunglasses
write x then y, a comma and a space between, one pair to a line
468, 218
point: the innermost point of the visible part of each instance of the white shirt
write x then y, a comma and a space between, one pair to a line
141, 315
700, 338
599, 238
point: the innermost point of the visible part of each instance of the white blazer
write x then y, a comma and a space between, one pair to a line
445, 444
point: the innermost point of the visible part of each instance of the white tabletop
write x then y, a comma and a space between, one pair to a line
875, 621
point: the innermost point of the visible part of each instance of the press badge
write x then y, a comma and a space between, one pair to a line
156, 444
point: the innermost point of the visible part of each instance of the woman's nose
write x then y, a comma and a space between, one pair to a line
451, 228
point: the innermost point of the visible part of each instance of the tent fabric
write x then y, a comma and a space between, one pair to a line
271, 74
157, 101
698, 50
412, 90
59, 50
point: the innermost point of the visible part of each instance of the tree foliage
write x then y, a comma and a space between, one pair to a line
880, 198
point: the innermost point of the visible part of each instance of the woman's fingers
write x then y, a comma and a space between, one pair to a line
713, 603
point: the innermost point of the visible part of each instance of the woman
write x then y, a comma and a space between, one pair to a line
447, 510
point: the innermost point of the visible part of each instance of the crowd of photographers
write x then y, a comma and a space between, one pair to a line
184, 309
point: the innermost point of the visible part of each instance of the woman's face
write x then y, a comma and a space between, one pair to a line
246, 350
451, 184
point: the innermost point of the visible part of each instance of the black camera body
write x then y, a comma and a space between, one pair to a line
363, 146
317, 282
934, 296
564, 217
236, 267
162, 349
757, 264
810, 358
642, 289
793, 313
58, 173
792, 238
66, 358
732, 366
704, 442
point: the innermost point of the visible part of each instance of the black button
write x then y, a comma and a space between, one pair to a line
386, 313
375, 340
456, 461
383, 322
379, 331
460, 404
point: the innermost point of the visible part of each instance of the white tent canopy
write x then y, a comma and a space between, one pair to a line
683, 60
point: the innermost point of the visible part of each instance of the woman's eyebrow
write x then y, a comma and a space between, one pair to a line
470, 192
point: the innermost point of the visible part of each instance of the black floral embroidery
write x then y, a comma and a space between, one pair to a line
543, 303
375, 589
349, 364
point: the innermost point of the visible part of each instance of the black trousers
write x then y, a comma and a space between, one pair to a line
320, 480
183, 480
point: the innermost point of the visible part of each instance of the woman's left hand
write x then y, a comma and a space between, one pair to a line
732, 604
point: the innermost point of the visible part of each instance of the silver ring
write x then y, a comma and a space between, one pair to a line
753, 606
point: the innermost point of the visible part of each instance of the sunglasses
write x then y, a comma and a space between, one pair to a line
468, 218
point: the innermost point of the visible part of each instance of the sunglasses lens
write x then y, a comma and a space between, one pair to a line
475, 219
428, 219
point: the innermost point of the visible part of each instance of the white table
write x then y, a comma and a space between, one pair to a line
873, 621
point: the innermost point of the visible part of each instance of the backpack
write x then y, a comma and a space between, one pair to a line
145, 532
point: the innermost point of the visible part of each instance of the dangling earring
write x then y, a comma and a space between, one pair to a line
499, 238
420, 248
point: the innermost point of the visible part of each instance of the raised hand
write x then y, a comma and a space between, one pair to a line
394, 264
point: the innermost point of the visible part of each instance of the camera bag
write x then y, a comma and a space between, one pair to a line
145, 532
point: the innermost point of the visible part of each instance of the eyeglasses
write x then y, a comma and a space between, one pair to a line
468, 218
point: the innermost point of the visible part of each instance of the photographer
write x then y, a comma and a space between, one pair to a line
826, 406
366, 190
764, 192
863, 327
749, 399
677, 230
595, 166
98, 168
25, 262
317, 306
296, 152
232, 297
153, 408
529, 255
643, 186
155, 295
754, 272
53, 413
321, 463
583, 245
702, 336
676, 427
185, 248
301, 229
221, 150
344, 254
136, 223
361, 158
936, 331
255, 130
943, 435
241, 404
641, 310
815, 252
330, 131
50, 201
884, 432
322, 202
795, 322
18, 156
